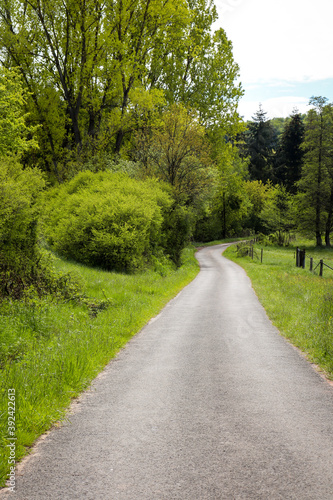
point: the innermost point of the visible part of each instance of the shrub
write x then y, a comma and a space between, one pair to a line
107, 220
19, 210
176, 230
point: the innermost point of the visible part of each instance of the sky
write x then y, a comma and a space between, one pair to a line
284, 49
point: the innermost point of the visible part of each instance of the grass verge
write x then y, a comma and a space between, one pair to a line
299, 302
52, 349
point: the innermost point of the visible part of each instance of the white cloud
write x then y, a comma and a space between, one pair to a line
279, 40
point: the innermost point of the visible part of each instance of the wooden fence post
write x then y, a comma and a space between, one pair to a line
311, 263
321, 268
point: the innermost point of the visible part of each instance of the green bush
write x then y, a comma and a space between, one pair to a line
108, 220
19, 210
176, 231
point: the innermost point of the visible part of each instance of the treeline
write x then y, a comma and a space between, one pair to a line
115, 120
100, 74
294, 165
120, 140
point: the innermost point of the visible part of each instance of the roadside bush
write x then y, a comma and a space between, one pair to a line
108, 220
19, 210
177, 231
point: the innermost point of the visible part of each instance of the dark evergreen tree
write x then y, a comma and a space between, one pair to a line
290, 154
260, 145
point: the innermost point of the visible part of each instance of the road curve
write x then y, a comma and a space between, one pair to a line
208, 401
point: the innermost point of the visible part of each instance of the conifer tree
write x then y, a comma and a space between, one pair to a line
260, 146
291, 152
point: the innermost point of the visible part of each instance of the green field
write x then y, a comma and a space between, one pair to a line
299, 302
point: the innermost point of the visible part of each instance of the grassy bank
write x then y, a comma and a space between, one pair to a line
299, 303
50, 350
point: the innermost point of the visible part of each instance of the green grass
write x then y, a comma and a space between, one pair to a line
50, 350
299, 303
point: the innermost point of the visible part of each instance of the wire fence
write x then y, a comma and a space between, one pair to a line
301, 257
246, 248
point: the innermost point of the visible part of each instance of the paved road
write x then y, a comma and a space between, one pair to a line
208, 401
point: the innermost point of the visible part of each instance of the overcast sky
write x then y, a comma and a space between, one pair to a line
284, 49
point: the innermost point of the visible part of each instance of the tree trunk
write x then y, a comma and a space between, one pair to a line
224, 230
329, 220
119, 140
319, 186
318, 239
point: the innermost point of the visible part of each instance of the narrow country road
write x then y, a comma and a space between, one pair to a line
208, 401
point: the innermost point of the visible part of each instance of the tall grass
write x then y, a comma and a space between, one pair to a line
299, 302
52, 349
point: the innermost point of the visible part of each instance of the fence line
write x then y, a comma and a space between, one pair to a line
246, 247
300, 262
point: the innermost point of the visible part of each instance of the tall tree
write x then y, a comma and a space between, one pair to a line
329, 165
14, 131
314, 183
80, 61
179, 153
198, 69
260, 146
290, 153
277, 214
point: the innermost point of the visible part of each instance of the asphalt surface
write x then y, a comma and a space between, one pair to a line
208, 401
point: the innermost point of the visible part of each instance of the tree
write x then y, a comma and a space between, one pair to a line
19, 188
179, 153
290, 154
260, 146
329, 153
199, 69
277, 213
16, 136
314, 182
258, 194
231, 201
80, 62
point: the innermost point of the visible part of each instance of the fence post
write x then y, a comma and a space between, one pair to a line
321, 268
297, 257
311, 263
303, 259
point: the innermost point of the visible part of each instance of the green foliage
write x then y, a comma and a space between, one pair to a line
258, 194
113, 221
232, 204
13, 128
178, 153
315, 185
277, 214
290, 153
260, 145
98, 72
19, 210
177, 228
244, 248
